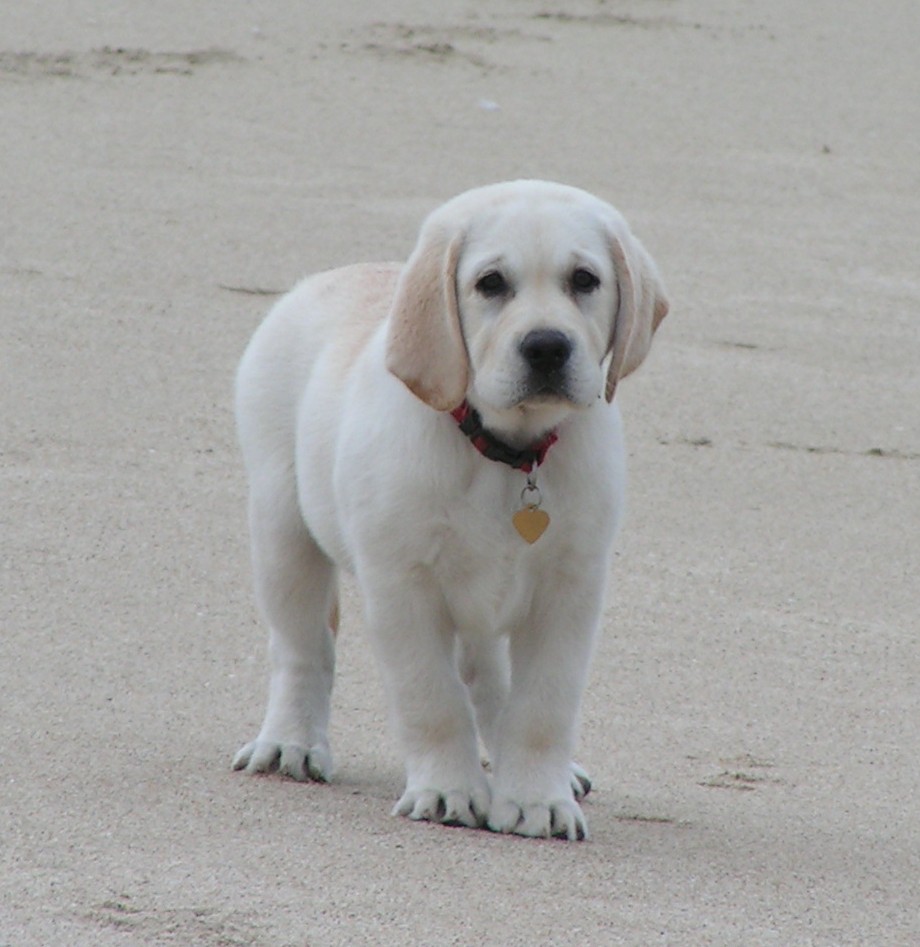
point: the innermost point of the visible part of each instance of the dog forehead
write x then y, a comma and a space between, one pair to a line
547, 233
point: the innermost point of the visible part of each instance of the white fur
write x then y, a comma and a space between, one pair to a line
475, 630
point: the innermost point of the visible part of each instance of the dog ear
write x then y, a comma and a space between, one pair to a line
642, 306
425, 345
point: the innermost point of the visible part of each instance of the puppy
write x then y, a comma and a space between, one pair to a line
446, 430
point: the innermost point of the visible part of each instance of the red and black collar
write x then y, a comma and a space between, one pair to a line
470, 423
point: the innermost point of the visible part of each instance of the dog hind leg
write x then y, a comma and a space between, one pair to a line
296, 591
485, 668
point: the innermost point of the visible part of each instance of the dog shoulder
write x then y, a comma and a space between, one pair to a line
345, 302
329, 315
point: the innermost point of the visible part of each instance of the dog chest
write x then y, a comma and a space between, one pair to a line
487, 573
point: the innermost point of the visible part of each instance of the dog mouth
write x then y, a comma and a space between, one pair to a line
541, 388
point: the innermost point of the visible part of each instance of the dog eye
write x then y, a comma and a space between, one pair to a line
584, 281
492, 284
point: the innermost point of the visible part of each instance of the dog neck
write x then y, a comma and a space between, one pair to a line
490, 446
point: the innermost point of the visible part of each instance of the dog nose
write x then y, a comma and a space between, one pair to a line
546, 350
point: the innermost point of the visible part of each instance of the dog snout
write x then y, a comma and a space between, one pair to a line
546, 350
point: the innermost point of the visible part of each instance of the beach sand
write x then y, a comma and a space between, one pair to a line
752, 724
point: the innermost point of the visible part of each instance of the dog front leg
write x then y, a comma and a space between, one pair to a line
535, 782
430, 707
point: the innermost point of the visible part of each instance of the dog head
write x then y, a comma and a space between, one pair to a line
529, 299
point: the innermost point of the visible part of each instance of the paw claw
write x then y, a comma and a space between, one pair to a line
289, 759
453, 808
581, 782
561, 819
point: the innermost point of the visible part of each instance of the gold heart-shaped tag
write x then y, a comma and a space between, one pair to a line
531, 523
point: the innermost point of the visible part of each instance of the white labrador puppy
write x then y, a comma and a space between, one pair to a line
446, 431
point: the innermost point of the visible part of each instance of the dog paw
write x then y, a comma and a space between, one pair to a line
581, 782
561, 818
461, 807
288, 759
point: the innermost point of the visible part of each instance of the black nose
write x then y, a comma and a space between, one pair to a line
546, 350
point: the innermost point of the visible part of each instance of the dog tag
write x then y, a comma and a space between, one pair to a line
531, 522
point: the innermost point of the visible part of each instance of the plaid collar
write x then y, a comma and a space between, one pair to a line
470, 423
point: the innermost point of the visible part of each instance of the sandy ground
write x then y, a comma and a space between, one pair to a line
752, 721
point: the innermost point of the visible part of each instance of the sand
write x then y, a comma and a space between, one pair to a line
753, 715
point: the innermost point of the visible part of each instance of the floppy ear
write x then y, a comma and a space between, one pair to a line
641, 308
425, 345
